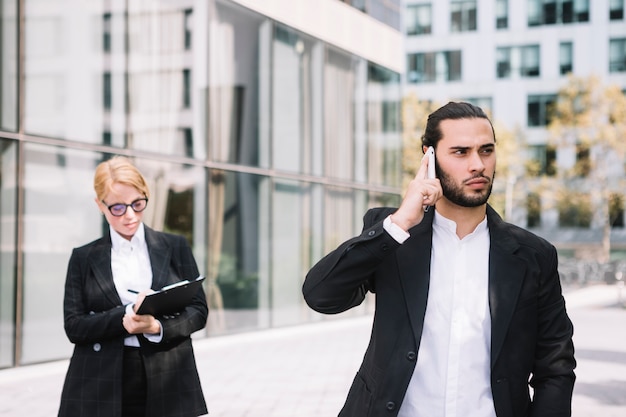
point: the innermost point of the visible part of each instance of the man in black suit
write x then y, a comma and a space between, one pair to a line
469, 309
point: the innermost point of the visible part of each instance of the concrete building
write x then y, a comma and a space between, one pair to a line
511, 57
265, 129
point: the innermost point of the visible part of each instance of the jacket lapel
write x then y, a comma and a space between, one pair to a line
413, 259
159, 258
506, 276
100, 261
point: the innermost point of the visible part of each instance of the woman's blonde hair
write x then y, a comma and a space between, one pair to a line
118, 170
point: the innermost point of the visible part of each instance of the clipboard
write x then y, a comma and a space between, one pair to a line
171, 298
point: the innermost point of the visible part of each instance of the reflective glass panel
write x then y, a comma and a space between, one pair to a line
383, 127
237, 82
239, 244
8, 65
8, 222
114, 73
296, 100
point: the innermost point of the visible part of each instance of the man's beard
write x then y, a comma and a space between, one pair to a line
455, 193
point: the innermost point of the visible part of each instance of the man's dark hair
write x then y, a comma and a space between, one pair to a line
452, 110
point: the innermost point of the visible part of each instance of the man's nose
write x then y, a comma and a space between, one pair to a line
476, 162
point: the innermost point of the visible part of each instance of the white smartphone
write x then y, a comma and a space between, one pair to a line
430, 152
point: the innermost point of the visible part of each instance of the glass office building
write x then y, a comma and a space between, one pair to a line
264, 141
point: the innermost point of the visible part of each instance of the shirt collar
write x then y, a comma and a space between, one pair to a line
450, 225
118, 242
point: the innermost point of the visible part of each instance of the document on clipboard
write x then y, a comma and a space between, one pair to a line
171, 298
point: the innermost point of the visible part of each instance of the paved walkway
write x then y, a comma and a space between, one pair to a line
305, 371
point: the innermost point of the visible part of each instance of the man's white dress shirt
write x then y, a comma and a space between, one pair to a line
452, 374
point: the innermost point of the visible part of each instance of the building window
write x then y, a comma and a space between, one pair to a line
503, 62
452, 71
616, 210
566, 58
422, 68
616, 9
432, 66
530, 61
541, 161
106, 32
106, 91
533, 210
419, 19
186, 88
528, 58
550, 12
188, 22
502, 14
462, 15
574, 209
540, 109
617, 55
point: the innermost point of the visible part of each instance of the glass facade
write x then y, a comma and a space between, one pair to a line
262, 145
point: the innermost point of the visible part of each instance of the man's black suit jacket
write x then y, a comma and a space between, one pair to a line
93, 315
531, 332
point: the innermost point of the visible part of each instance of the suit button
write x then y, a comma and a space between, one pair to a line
384, 247
391, 406
97, 347
411, 356
371, 233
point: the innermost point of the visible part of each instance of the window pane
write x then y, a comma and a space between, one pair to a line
239, 47
617, 55
239, 264
8, 204
503, 62
93, 71
418, 19
8, 65
296, 94
453, 63
383, 127
565, 58
530, 61
339, 114
616, 9
502, 14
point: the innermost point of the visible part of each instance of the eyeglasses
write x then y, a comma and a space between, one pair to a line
119, 209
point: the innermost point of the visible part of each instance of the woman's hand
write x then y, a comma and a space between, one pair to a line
140, 323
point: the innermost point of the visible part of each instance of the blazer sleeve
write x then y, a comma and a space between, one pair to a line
553, 374
341, 279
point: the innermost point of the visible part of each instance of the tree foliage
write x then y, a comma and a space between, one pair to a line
589, 119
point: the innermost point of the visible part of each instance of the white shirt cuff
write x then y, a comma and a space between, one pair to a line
155, 338
395, 231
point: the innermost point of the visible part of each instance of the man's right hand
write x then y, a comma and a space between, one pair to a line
422, 192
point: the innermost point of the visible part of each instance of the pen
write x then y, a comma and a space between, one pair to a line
133, 291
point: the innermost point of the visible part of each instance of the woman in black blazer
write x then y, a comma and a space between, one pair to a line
124, 364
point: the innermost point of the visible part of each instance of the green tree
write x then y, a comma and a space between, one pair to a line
589, 122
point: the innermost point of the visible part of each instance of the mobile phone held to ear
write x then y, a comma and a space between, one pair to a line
430, 152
